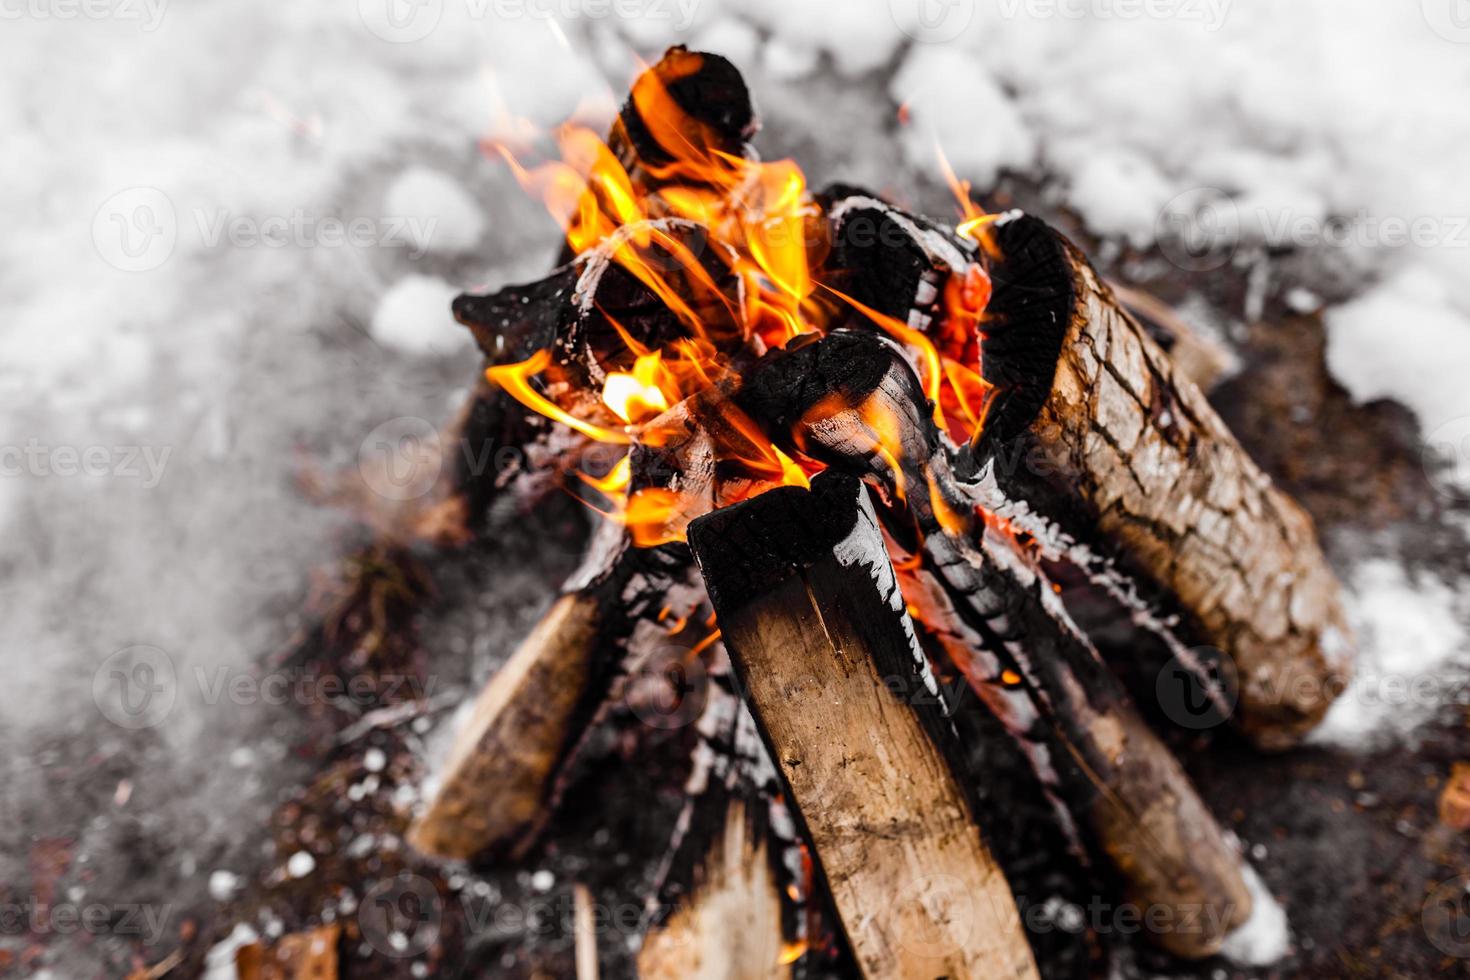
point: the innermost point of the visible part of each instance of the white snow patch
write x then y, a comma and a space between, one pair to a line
1403, 340
219, 962
222, 885
413, 317
955, 103
445, 217
300, 864
1265, 936
1412, 649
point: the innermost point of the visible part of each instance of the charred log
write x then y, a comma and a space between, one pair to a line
1094, 428
997, 617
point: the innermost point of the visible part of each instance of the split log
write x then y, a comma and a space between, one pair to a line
811, 614
851, 400
502, 769
729, 927
1093, 427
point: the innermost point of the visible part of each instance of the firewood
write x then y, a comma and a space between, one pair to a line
852, 400
734, 892
811, 613
730, 926
1097, 431
1203, 359
503, 766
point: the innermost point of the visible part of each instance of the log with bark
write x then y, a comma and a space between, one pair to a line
1098, 445
810, 610
1098, 433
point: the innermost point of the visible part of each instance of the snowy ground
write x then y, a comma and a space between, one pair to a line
234, 228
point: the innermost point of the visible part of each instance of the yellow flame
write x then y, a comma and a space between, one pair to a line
515, 379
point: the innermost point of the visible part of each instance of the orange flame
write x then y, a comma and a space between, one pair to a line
758, 214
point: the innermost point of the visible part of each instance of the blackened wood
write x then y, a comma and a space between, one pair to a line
713, 105
810, 610
997, 617
1099, 433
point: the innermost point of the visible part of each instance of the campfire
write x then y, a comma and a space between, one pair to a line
846, 457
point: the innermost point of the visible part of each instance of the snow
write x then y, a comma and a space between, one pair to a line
222, 885
1395, 342
413, 317
1265, 937
451, 220
300, 864
950, 98
1414, 648
219, 962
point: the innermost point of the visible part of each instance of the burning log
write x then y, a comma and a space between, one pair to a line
1094, 429
852, 401
502, 769
1097, 444
811, 613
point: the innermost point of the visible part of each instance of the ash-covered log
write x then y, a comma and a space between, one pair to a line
1093, 429
810, 611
